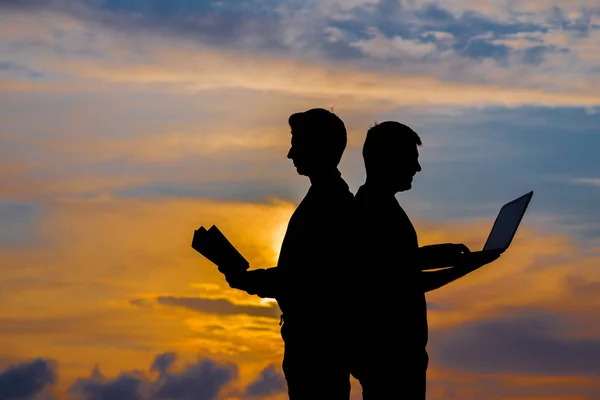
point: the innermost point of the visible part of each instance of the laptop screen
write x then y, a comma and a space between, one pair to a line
507, 222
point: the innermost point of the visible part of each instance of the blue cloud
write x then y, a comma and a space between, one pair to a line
536, 54
472, 33
493, 155
229, 24
480, 49
215, 23
157, 8
18, 222
528, 342
9, 67
471, 24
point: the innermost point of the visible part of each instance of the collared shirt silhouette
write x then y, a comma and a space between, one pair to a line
392, 316
390, 359
309, 281
391, 242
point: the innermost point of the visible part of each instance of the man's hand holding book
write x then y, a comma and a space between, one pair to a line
213, 245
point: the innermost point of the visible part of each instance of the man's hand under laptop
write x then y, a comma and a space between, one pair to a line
441, 255
477, 259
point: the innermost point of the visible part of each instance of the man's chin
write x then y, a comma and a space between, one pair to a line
406, 186
301, 171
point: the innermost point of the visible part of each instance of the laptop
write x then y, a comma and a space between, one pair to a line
506, 224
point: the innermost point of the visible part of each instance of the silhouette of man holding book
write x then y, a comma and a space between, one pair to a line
309, 282
390, 359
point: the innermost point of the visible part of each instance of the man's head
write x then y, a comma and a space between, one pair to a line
391, 156
318, 141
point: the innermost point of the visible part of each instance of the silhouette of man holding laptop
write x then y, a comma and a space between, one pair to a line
393, 273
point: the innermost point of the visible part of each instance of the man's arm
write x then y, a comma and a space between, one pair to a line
428, 259
326, 249
436, 279
265, 283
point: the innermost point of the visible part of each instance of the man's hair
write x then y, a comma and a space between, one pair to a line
322, 129
388, 136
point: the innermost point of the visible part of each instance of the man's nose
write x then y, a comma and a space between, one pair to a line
418, 167
289, 155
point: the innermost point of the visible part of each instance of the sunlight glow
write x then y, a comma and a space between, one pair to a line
277, 239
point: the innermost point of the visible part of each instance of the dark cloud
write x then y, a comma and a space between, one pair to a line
270, 382
230, 30
532, 342
481, 49
258, 190
537, 54
471, 24
25, 380
126, 386
163, 362
219, 306
203, 380
238, 24
200, 381
472, 34
266, 26
18, 69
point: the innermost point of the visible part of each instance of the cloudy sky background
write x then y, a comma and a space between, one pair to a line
126, 124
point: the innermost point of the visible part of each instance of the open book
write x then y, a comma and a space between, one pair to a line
213, 245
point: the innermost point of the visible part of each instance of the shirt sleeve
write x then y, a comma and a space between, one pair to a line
265, 283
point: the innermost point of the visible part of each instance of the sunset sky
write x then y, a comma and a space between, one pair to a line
127, 124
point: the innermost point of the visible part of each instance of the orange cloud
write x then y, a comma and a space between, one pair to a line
71, 296
205, 69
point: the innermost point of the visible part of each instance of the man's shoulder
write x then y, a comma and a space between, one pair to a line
361, 194
362, 200
334, 199
339, 192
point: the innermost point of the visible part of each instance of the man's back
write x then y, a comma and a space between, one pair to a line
313, 258
387, 273
314, 255
390, 296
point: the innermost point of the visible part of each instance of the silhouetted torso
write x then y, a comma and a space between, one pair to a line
391, 290
314, 255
